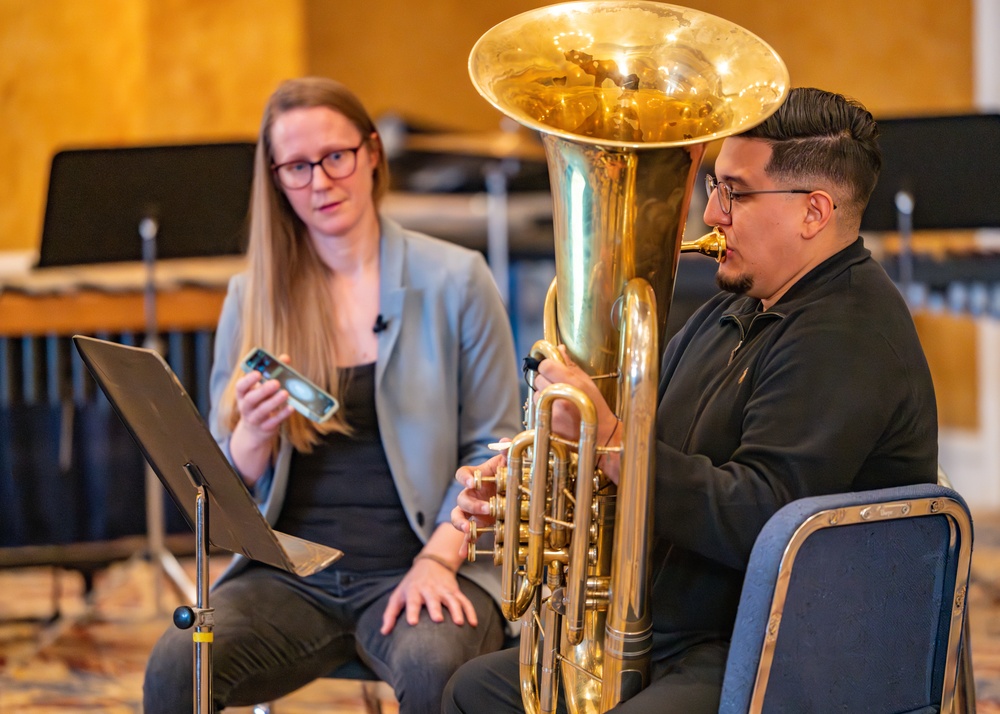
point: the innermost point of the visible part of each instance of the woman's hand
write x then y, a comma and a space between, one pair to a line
431, 583
263, 407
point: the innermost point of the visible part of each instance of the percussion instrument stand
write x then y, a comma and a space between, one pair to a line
164, 561
904, 221
497, 223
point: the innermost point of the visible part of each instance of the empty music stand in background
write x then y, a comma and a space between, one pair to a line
176, 442
939, 173
142, 203
198, 195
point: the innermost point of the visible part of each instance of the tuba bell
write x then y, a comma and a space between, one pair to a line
626, 95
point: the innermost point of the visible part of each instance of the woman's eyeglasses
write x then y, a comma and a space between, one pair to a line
337, 164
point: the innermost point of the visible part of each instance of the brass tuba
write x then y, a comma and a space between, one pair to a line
626, 94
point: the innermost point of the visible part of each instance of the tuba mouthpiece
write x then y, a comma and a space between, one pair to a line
711, 244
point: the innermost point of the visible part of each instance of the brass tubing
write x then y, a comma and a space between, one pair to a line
586, 463
628, 629
527, 657
550, 326
515, 592
542, 349
548, 678
535, 560
559, 534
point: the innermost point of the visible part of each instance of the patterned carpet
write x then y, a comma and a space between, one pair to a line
92, 657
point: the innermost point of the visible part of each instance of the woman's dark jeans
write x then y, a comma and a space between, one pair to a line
275, 632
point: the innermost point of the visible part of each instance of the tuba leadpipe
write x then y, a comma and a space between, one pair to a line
625, 94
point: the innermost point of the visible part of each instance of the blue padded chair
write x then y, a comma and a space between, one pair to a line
854, 603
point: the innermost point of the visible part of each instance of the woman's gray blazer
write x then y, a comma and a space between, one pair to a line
446, 381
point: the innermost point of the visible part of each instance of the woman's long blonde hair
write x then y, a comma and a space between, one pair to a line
287, 306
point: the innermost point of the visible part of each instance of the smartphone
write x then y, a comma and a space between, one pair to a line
303, 395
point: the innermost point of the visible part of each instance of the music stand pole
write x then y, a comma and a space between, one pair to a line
201, 616
155, 527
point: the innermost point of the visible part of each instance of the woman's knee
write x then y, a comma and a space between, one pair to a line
424, 661
429, 653
168, 684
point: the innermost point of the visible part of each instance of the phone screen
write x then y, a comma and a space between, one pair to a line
303, 395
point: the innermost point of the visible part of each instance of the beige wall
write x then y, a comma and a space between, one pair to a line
108, 72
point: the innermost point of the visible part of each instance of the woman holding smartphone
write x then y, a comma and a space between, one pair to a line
409, 334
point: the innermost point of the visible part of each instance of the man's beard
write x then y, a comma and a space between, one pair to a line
739, 284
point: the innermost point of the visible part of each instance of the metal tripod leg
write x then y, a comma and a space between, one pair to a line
164, 562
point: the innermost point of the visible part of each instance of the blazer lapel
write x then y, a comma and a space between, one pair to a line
392, 293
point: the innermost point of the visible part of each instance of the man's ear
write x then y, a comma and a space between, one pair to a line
818, 213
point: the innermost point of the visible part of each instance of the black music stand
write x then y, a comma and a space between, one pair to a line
939, 173
198, 194
167, 427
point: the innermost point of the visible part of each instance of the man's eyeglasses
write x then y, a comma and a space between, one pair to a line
727, 194
337, 164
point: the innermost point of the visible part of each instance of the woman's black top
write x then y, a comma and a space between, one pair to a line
342, 494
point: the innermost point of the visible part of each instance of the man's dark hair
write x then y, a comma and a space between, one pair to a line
823, 135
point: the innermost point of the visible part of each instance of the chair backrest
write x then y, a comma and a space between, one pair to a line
853, 603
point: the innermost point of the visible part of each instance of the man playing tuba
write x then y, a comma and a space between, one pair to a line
803, 377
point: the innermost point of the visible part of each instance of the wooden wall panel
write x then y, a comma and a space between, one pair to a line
896, 57
407, 57
212, 65
70, 75
127, 72
952, 346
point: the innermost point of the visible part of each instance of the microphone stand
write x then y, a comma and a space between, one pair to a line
155, 528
